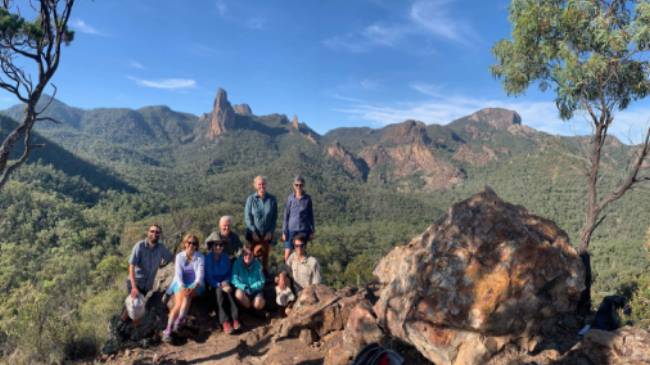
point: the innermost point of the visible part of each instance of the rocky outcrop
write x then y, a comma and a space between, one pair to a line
406, 160
355, 167
496, 117
486, 274
476, 158
407, 132
295, 124
243, 109
222, 117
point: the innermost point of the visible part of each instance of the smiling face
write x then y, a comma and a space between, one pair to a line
191, 245
217, 247
260, 186
247, 255
224, 227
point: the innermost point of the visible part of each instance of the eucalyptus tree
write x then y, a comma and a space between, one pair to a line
593, 54
30, 52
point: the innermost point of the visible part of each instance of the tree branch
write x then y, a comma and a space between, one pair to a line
632, 177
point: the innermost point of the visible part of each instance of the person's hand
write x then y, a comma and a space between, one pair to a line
225, 286
256, 237
187, 292
134, 292
284, 237
268, 237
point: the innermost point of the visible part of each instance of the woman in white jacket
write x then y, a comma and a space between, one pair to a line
187, 283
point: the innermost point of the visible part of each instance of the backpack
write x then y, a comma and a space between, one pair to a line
374, 354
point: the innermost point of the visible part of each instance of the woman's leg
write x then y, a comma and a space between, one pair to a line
173, 313
242, 298
222, 313
234, 311
258, 302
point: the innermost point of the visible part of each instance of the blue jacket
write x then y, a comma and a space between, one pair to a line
247, 278
298, 215
217, 271
261, 215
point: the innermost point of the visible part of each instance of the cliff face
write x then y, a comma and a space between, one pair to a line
222, 117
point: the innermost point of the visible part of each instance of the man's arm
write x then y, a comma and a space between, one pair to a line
310, 216
316, 279
134, 287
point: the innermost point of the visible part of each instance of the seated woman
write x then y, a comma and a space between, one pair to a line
305, 269
217, 278
187, 283
248, 279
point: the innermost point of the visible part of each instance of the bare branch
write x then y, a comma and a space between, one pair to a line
49, 101
48, 119
632, 177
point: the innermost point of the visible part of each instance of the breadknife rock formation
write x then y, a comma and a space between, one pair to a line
223, 115
486, 274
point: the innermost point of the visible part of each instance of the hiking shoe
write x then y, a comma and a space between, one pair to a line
236, 325
227, 329
167, 336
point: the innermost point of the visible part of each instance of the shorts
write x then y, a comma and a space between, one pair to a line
175, 288
140, 289
289, 242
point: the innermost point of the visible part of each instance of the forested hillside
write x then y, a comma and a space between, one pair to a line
70, 217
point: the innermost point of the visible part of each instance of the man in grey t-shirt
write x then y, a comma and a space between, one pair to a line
146, 257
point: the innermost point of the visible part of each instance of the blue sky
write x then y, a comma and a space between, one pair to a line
333, 63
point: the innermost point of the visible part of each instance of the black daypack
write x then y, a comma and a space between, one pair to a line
374, 354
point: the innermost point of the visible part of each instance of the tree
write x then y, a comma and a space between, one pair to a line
593, 53
29, 46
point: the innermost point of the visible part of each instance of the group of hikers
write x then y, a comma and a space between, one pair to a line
233, 273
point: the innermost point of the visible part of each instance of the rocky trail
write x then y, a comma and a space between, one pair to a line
488, 283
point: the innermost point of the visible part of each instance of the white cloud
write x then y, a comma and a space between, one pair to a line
83, 27
629, 126
166, 84
433, 16
222, 7
135, 64
426, 18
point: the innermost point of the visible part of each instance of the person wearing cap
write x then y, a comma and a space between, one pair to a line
218, 272
227, 236
260, 217
146, 257
298, 216
305, 269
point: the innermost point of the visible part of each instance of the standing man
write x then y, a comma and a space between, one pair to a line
260, 217
298, 216
227, 236
146, 257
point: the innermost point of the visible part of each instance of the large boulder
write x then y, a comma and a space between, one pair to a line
486, 274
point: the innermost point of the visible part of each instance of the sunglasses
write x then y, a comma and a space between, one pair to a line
154, 231
297, 185
218, 245
193, 243
247, 254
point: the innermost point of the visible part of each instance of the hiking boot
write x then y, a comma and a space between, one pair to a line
236, 325
227, 329
167, 336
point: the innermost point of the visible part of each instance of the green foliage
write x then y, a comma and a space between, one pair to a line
590, 52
